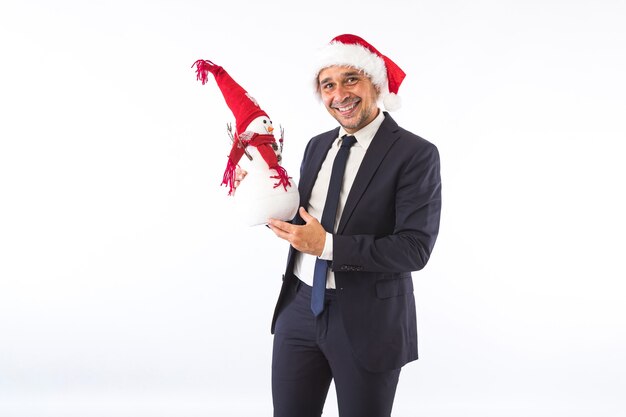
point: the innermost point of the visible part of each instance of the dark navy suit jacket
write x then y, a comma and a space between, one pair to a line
387, 229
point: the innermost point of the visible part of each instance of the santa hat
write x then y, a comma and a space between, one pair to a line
354, 51
244, 107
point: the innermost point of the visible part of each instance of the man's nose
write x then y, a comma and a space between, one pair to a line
341, 93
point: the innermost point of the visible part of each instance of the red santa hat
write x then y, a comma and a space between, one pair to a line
351, 50
244, 107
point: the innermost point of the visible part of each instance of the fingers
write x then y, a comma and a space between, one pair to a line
305, 215
308, 238
240, 174
308, 219
279, 225
282, 229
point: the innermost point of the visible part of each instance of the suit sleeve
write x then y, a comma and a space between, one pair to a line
405, 242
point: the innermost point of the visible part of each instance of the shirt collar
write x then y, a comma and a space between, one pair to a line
365, 135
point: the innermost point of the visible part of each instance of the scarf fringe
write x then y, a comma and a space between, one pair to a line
282, 177
229, 176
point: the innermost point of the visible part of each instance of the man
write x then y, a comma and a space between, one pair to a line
346, 310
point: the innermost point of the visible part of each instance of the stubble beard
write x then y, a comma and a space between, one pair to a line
354, 125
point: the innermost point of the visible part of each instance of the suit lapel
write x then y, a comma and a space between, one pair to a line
313, 162
384, 139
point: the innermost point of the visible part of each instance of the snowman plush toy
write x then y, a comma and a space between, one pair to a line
267, 191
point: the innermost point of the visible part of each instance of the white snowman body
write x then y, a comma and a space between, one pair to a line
256, 199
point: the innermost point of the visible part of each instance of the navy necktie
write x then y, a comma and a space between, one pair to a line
328, 221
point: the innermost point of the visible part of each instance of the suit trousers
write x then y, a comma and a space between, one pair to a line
309, 352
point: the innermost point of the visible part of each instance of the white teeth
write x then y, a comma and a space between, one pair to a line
353, 105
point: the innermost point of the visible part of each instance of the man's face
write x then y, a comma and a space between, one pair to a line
349, 96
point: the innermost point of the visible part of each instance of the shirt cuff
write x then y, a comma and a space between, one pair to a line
327, 252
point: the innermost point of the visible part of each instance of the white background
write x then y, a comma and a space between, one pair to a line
128, 289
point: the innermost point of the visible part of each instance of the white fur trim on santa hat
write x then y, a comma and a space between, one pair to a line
337, 53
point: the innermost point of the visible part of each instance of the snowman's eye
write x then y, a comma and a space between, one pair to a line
264, 121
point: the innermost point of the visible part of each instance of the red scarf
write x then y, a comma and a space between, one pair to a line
263, 143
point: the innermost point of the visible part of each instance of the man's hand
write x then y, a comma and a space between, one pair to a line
240, 174
308, 238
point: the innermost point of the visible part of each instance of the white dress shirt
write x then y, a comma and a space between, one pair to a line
305, 264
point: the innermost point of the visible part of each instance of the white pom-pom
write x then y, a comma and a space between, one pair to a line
392, 102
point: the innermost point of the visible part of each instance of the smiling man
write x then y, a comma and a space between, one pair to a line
349, 96
370, 196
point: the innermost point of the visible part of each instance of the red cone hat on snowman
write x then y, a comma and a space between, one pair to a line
245, 109
351, 50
